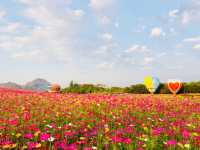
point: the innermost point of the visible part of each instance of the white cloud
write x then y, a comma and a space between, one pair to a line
196, 47
108, 47
101, 5
107, 37
104, 20
192, 39
26, 55
103, 10
148, 60
186, 17
139, 29
157, 32
191, 12
105, 65
130, 61
51, 35
173, 13
10, 27
78, 13
137, 48
2, 14
159, 55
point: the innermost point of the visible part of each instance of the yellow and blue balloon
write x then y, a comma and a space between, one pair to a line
151, 83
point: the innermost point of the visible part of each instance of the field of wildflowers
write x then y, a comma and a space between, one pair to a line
30, 120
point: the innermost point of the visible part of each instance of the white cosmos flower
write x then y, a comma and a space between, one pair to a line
51, 139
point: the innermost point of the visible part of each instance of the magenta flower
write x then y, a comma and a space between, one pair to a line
171, 143
44, 136
87, 148
127, 141
185, 134
71, 147
31, 145
157, 131
28, 136
13, 122
69, 133
116, 139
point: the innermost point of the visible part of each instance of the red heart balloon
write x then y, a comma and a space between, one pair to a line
174, 86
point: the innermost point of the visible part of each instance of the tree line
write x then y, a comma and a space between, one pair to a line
188, 87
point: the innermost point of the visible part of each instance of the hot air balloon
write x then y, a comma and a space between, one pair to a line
174, 86
151, 83
55, 88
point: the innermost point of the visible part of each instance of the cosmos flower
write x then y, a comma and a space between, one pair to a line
44, 136
28, 135
171, 143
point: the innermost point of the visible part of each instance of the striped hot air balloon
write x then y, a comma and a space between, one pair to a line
151, 83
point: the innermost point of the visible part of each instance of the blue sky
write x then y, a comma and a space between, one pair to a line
113, 42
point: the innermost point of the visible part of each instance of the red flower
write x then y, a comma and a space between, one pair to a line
14, 121
26, 116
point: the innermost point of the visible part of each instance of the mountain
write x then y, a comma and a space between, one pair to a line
11, 85
38, 85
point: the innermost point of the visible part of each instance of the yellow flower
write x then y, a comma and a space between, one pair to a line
146, 129
145, 145
180, 145
24, 147
18, 135
195, 134
82, 138
36, 133
187, 146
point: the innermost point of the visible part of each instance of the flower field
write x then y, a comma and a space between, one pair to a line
30, 120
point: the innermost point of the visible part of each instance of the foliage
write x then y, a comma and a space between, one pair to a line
138, 88
190, 87
83, 89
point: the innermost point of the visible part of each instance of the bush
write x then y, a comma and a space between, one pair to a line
191, 87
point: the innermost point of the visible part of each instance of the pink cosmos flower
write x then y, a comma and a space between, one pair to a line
69, 133
185, 134
13, 122
127, 141
117, 139
171, 143
44, 136
157, 131
28, 136
31, 145
71, 147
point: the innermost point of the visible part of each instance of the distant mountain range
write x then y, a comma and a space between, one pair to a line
37, 84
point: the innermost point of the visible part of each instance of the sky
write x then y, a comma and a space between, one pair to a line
112, 42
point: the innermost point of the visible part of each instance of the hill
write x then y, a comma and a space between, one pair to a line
11, 85
37, 85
